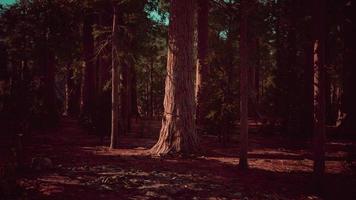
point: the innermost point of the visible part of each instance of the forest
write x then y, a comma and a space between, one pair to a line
177, 99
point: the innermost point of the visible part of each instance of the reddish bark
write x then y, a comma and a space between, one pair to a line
178, 133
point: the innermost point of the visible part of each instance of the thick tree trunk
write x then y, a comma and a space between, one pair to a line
243, 164
178, 133
202, 62
319, 87
114, 87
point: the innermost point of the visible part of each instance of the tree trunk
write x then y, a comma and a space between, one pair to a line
307, 112
89, 68
202, 62
73, 94
50, 94
125, 94
243, 164
66, 93
134, 109
348, 99
115, 86
319, 87
293, 120
150, 92
178, 133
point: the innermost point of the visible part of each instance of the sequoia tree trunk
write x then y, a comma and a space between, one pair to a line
178, 133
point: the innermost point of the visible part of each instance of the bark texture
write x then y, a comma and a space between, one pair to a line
178, 133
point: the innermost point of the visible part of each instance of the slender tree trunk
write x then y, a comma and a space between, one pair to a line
178, 133
89, 80
150, 95
129, 97
202, 62
348, 99
66, 93
134, 109
243, 164
50, 94
125, 93
115, 86
307, 113
293, 120
319, 87
73, 93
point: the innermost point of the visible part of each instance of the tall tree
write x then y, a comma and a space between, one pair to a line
243, 164
348, 123
319, 71
202, 62
178, 133
115, 80
89, 67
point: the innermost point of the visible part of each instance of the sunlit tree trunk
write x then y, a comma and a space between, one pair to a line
319, 87
243, 164
202, 62
178, 133
114, 86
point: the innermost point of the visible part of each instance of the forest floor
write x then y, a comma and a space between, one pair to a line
280, 168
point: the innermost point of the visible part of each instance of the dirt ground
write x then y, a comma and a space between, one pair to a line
83, 168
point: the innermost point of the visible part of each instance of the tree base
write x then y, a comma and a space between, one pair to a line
243, 164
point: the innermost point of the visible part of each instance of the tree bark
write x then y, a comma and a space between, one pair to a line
202, 62
319, 87
114, 86
178, 133
243, 164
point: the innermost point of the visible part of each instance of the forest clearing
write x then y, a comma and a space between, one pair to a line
177, 99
